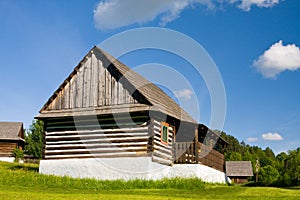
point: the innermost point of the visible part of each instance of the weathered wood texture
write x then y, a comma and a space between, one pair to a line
185, 153
92, 86
11, 130
161, 153
211, 157
123, 142
100, 80
123, 120
6, 149
239, 180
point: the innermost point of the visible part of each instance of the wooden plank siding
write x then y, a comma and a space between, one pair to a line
211, 157
99, 80
186, 151
92, 86
6, 149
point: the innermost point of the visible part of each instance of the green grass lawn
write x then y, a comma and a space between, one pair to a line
24, 182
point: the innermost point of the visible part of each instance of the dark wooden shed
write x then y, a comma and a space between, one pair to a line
11, 136
105, 110
239, 171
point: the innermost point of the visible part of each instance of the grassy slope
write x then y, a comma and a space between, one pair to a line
23, 182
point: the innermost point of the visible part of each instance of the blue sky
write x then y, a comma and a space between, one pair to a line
255, 45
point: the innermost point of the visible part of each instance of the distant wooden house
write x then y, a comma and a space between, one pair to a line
104, 111
11, 137
239, 171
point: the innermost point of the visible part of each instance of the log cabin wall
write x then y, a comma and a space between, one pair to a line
101, 137
162, 151
6, 148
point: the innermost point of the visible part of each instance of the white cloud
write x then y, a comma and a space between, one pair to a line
271, 136
277, 59
111, 14
247, 4
184, 94
252, 139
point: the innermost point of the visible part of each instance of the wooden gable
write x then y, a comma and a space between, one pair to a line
101, 84
92, 84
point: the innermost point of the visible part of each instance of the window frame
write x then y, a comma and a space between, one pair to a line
163, 139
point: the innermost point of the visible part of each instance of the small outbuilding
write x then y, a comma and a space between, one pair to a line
11, 137
239, 171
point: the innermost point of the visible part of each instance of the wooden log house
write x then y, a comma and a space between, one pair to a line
106, 110
11, 137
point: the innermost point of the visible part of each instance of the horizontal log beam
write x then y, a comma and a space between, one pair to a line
95, 145
125, 130
83, 140
95, 151
162, 161
85, 136
103, 155
162, 155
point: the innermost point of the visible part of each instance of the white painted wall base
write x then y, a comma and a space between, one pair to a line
202, 172
105, 168
127, 169
7, 159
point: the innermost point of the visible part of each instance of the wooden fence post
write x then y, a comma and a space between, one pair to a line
196, 145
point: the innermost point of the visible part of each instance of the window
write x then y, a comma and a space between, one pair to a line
164, 132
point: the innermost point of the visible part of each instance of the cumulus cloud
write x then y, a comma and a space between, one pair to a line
247, 4
277, 59
111, 14
272, 136
252, 139
184, 94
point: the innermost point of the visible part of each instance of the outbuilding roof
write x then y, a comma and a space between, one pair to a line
239, 168
11, 130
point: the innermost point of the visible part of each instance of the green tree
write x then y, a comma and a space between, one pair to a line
234, 156
292, 166
268, 175
34, 139
269, 153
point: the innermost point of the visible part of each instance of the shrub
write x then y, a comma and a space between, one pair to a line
268, 175
18, 154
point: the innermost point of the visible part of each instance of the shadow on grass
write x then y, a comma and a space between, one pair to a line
276, 185
25, 168
17, 166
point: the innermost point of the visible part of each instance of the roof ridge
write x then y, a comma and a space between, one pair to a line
114, 61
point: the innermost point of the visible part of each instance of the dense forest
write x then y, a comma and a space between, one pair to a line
280, 170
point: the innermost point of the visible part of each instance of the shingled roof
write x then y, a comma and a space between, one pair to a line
148, 95
239, 168
11, 131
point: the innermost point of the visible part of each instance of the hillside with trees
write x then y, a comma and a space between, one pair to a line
281, 170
